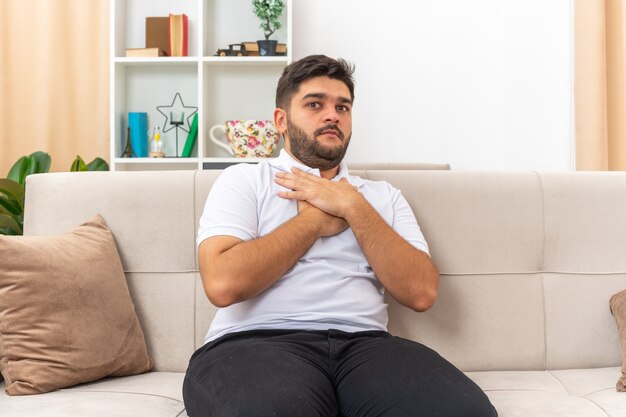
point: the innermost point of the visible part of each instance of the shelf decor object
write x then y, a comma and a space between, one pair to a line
138, 123
156, 144
175, 117
269, 12
191, 138
247, 138
128, 151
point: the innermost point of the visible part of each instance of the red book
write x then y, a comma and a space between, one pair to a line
178, 35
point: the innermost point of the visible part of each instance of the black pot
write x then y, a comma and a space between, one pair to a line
267, 48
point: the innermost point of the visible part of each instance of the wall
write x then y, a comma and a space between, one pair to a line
485, 84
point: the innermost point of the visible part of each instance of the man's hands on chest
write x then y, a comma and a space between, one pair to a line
336, 200
328, 225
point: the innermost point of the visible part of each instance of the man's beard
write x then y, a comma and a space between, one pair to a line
311, 152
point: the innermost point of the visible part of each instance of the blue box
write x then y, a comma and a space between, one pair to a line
138, 123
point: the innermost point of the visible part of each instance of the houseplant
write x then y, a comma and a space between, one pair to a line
13, 187
269, 12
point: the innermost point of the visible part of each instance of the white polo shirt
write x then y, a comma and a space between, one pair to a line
332, 286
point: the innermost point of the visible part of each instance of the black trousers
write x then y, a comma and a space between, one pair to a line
326, 374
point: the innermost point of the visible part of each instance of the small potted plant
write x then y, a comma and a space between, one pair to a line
269, 12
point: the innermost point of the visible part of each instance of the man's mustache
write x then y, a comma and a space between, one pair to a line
329, 127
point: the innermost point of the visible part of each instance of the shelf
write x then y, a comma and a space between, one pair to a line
246, 60
243, 60
224, 162
156, 60
157, 161
228, 160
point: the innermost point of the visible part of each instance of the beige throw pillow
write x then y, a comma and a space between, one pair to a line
618, 309
66, 315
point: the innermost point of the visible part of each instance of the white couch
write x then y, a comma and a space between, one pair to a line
528, 263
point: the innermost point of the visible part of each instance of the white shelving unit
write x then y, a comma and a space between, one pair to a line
223, 88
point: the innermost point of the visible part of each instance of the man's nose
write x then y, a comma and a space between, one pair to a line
332, 116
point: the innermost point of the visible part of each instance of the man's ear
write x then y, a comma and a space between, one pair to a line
280, 120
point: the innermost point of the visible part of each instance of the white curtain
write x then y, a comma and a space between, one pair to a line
54, 85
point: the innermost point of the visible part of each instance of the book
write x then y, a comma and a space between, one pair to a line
178, 24
191, 137
158, 33
144, 52
138, 123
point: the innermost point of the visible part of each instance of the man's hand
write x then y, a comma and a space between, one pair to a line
329, 225
334, 198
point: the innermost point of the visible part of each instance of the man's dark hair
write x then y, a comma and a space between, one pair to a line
309, 67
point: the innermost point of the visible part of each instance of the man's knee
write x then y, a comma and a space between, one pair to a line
476, 404
246, 403
260, 380
198, 402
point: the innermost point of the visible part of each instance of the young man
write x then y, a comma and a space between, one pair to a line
298, 254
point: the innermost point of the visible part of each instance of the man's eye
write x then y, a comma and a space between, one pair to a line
313, 105
343, 108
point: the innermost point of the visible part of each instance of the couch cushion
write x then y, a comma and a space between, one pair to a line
166, 310
368, 166
150, 214
154, 394
580, 331
469, 218
584, 222
475, 316
567, 393
66, 315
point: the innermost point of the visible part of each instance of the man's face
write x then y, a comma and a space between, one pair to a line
319, 123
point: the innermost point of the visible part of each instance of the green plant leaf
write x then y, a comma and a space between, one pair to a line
9, 223
36, 163
98, 164
78, 165
42, 162
19, 169
6, 231
13, 190
10, 205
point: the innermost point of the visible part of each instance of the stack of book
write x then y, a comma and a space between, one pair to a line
165, 36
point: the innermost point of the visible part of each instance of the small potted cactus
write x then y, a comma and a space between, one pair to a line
269, 12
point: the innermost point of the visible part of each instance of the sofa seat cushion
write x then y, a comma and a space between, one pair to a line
571, 393
565, 393
153, 394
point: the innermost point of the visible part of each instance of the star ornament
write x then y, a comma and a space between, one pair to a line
177, 106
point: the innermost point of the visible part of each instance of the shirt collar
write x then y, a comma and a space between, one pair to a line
284, 162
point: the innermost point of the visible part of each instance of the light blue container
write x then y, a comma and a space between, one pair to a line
138, 123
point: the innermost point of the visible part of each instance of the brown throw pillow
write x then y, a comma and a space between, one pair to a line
618, 309
66, 315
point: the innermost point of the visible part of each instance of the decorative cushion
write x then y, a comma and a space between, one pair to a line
66, 315
618, 309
